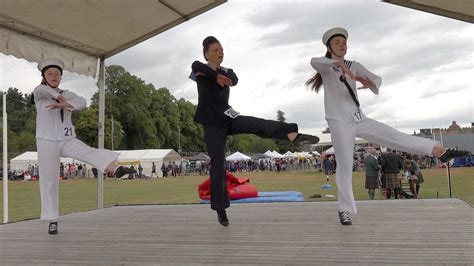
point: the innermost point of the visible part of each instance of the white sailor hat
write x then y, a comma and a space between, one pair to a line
334, 31
49, 62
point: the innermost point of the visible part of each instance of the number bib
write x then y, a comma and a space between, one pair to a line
231, 113
358, 117
68, 132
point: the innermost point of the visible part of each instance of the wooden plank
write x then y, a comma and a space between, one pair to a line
439, 231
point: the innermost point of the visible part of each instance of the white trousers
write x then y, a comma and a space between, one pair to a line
49, 153
343, 136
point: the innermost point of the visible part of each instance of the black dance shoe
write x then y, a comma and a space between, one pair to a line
302, 139
222, 217
121, 171
345, 218
449, 154
53, 228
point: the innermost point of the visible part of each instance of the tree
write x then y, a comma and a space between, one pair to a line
87, 129
281, 116
283, 145
191, 132
129, 101
250, 143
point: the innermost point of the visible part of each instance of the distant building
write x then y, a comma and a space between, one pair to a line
452, 137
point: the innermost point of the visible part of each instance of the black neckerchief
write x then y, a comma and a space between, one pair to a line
62, 110
342, 78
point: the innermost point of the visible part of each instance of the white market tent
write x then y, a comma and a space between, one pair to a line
21, 162
329, 151
237, 156
303, 154
129, 157
273, 154
277, 154
147, 157
81, 32
326, 140
289, 154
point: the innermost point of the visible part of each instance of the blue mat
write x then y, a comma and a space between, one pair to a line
278, 196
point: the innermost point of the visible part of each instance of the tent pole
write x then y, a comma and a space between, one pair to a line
100, 176
5, 161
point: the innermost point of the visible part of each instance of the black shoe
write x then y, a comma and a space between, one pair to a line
305, 139
53, 228
222, 217
345, 218
121, 171
449, 154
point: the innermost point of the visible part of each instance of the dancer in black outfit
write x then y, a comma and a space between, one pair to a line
219, 120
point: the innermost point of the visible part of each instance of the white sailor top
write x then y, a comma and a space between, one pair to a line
55, 124
338, 102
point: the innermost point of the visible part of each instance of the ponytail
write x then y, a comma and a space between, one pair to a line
316, 81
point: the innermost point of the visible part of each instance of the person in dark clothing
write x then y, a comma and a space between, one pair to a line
220, 120
391, 165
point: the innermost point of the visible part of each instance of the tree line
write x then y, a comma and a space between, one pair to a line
137, 116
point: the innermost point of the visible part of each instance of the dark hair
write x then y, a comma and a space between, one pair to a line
316, 81
206, 43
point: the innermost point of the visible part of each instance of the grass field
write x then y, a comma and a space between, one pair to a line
81, 195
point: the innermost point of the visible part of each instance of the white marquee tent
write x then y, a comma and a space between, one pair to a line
289, 154
273, 154
326, 140
130, 157
237, 156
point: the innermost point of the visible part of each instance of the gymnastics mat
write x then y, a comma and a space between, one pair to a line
277, 196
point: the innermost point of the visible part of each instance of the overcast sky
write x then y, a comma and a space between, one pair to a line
425, 61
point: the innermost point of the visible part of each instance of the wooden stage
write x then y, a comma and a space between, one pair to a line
388, 232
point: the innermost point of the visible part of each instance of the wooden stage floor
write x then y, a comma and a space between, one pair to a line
388, 232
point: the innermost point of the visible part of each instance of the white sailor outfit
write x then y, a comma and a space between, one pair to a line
55, 138
347, 121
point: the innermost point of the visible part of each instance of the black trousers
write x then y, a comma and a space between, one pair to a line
216, 139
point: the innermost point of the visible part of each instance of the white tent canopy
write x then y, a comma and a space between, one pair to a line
277, 155
21, 162
303, 154
237, 156
326, 140
80, 32
329, 151
289, 154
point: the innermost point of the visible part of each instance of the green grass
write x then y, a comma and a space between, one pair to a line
81, 195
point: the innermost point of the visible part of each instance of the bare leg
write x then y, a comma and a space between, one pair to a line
413, 188
111, 168
438, 150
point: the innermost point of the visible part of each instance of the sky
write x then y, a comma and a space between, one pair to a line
425, 61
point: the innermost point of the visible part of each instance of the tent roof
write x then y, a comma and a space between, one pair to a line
237, 156
200, 157
26, 156
325, 140
79, 32
457, 9
149, 155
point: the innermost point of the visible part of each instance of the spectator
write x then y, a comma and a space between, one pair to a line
372, 170
153, 169
391, 165
164, 170
140, 170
